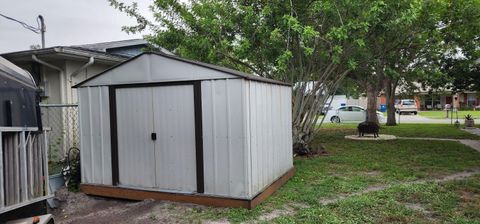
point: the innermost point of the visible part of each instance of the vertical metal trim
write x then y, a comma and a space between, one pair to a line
16, 162
197, 99
102, 148
45, 162
229, 137
113, 134
214, 133
2, 194
90, 126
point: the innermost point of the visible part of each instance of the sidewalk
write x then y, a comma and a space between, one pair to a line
475, 144
425, 120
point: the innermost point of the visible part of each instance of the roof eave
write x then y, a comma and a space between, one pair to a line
68, 52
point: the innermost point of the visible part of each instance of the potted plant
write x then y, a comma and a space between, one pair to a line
469, 122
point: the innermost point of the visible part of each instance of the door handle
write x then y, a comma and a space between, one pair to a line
154, 136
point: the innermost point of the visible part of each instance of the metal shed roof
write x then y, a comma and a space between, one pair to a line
197, 63
104, 46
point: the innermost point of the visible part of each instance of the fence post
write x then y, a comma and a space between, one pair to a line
23, 163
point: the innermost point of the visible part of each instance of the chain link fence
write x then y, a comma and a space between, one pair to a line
62, 120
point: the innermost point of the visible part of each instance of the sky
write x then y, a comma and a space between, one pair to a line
68, 22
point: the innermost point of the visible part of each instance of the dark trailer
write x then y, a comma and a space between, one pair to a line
23, 146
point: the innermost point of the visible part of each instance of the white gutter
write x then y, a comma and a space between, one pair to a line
62, 78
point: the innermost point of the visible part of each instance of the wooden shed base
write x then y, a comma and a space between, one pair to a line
134, 194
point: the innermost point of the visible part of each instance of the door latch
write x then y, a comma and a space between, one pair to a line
154, 136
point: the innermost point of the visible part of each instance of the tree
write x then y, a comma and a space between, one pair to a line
465, 74
310, 44
415, 55
399, 45
461, 35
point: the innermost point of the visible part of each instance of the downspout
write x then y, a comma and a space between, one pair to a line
90, 62
62, 78
62, 93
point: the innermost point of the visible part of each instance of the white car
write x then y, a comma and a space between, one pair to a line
350, 114
406, 106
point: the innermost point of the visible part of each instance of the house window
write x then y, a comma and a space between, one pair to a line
432, 102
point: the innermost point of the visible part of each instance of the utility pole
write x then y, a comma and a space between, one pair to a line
42, 29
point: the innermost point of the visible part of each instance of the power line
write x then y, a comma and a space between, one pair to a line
40, 29
31, 28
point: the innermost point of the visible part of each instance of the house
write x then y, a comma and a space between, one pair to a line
463, 100
436, 99
185, 131
57, 69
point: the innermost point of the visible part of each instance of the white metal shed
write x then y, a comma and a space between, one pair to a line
160, 126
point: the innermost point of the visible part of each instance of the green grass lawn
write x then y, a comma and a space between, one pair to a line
352, 166
451, 202
441, 114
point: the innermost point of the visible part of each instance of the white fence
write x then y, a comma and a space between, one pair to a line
23, 167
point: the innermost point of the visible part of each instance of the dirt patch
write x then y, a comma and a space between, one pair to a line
276, 213
287, 210
416, 207
327, 201
81, 208
216, 222
460, 175
420, 208
468, 196
299, 205
373, 173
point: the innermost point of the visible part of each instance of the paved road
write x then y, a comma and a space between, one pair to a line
419, 119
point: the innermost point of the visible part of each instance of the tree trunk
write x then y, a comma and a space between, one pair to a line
390, 86
372, 94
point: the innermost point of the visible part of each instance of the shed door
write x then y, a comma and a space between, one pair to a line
136, 151
167, 162
173, 108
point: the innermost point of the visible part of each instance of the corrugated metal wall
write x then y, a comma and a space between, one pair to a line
224, 139
247, 136
270, 130
95, 135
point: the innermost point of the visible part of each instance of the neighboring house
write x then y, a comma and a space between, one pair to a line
57, 69
427, 99
437, 101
